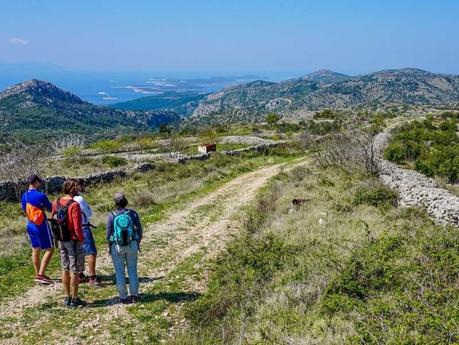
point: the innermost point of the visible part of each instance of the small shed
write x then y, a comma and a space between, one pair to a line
206, 148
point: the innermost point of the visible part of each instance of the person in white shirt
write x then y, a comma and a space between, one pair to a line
89, 244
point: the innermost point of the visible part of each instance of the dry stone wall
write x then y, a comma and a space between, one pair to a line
418, 190
11, 191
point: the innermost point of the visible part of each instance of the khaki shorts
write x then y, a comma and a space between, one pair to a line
72, 256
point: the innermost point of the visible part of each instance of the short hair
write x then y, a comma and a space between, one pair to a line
34, 178
120, 200
81, 182
70, 187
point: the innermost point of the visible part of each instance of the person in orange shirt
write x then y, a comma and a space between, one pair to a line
67, 212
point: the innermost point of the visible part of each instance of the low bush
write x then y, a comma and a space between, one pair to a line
375, 195
114, 161
107, 145
72, 151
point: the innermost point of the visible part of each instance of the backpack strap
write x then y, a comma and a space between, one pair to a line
71, 201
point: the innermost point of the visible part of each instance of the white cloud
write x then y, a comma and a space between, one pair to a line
16, 41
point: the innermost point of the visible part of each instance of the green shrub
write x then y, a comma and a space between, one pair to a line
434, 149
400, 289
272, 118
71, 151
325, 114
114, 161
107, 146
375, 195
395, 152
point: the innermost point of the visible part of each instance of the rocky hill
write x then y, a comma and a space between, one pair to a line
327, 89
45, 109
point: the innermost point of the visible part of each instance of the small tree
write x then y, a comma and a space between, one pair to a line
165, 130
272, 118
208, 136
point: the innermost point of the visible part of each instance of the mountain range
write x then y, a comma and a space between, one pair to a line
45, 109
331, 90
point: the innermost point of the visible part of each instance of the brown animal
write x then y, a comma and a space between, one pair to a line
298, 202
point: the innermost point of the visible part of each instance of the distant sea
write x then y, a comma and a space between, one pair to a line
113, 87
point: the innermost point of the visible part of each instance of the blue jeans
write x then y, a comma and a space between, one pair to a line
123, 256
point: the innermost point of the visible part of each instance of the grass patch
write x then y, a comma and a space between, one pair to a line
334, 270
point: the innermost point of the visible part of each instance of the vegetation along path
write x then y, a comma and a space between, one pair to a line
173, 266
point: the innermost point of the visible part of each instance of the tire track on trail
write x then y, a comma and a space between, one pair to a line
204, 223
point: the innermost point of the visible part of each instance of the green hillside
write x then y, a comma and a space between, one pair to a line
44, 109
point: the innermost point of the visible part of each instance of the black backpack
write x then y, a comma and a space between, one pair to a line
59, 222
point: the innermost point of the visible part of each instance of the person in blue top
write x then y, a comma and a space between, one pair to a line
34, 203
124, 251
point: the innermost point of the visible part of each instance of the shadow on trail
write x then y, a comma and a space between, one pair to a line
172, 297
110, 279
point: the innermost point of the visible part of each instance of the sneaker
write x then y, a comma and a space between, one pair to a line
67, 301
135, 299
95, 281
77, 303
48, 278
43, 280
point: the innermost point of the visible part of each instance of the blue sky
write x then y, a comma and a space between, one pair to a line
235, 36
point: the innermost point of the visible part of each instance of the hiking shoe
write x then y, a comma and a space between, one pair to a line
67, 301
77, 303
135, 299
83, 278
95, 281
43, 280
125, 300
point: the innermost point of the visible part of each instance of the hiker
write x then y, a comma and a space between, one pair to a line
89, 244
124, 234
67, 214
34, 203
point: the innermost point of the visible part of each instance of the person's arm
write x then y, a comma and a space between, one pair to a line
45, 203
84, 206
109, 231
138, 225
75, 213
23, 202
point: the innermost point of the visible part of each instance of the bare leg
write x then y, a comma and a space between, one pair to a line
45, 260
92, 265
74, 282
66, 282
36, 259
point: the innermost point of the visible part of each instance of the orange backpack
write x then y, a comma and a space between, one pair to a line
34, 214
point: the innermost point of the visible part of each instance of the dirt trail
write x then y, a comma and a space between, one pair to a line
202, 225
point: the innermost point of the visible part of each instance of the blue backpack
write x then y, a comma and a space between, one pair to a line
123, 229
